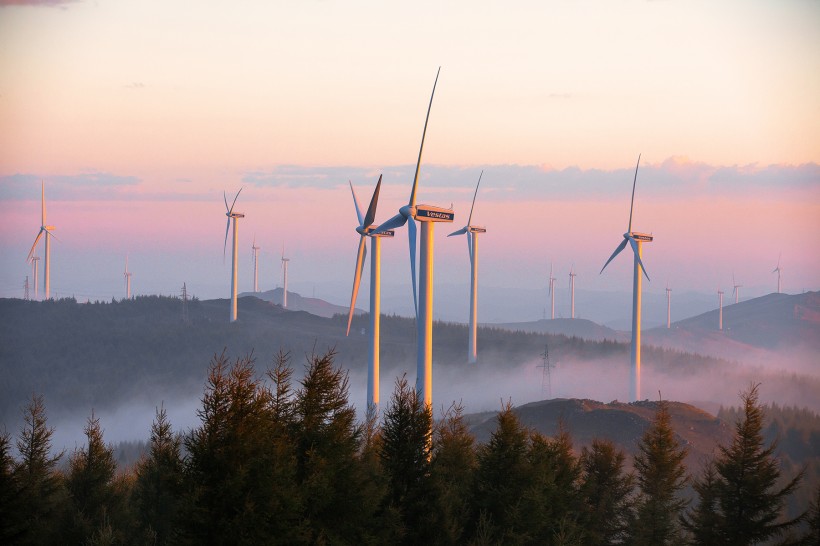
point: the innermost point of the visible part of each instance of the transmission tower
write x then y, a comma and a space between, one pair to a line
184, 303
25, 289
546, 365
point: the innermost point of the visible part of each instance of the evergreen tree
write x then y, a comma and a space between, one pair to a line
705, 521
90, 484
607, 494
38, 483
405, 457
504, 471
661, 475
813, 516
452, 472
10, 520
158, 488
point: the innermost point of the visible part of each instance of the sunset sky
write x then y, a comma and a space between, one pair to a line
138, 114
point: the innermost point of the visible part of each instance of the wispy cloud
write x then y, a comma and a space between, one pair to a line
88, 185
38, 3
135, 86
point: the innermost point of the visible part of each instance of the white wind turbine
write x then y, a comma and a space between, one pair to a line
365, 229
720, 309
735, 286
572, 275
127, 276
668, 306
635, 240
552, 294
232, 216
35, 262
777, 270
427, 215
255, 249
285, 278
47, 252
472, 248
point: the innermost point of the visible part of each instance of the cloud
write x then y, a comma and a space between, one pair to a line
135, 86
88, 185
38, 3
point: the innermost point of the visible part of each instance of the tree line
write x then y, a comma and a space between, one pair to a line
278, 462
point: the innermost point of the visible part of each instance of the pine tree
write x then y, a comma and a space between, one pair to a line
158, 488
705, 521
607, 494
10, 520
405, 457
39, 485
660, 475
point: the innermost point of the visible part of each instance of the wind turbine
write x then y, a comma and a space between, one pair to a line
232, 216
35, 262
775, 270
365, 229
668, 306
735, 291
285, 278
427, 215
47, 230
472, 248
552, 294
635, 240
255, 249
572, 276
127, 276
720, 309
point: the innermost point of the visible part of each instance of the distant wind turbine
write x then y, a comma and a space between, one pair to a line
47, 252
572, 276
365, 229
735, 286
668, 307
234, 261
552, 294
284, 278
255, 250
427, 215
127, 276
777, 270
35, 262
720, 309
472, 248
635, 240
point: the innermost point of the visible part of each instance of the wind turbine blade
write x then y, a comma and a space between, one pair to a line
51, 233
357, 278
234, 200
632, 202
36, 240
421, 148
470, 220
356, 204
43, 203
470, 246
461, 231
397, 221
638, 256
225, 198
411, 237
225, 246
619, 248
374, 201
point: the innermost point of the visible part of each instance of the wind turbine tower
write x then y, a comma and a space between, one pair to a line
552, 294
427, 215
255, 249
735, 291
365, 229
234, 255
572, 276
635, 240
47, 230
668, 307
285, 278
127, 280
35, 262
777, 270
472, 248
720, 309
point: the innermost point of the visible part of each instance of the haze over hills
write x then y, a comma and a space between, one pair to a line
585, 329
297, 302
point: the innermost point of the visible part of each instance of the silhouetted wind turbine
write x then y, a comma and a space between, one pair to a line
720, 309
365, 229
232, 216
472, 248
668, 306
572, 276
777, 270
47, 252
35, 262
427, 215
635, 240
284, 278
552, 294
735, 286
255, 249
127, 276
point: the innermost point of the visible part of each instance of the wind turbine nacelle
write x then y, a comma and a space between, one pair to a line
430, 213
236, 215
385, 233
476, 229
642, 237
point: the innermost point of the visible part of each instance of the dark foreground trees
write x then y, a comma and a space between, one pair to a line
277, 462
